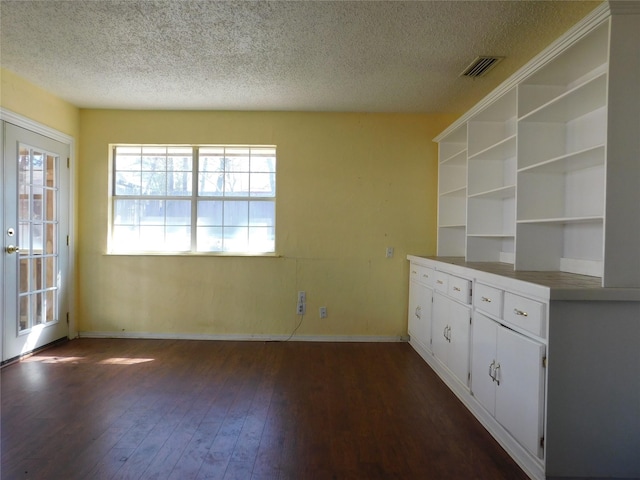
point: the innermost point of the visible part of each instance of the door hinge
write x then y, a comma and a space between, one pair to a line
67, 318
68, 162
67, 240
544, 362
542, 442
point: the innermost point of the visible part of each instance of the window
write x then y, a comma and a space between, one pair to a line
176, 198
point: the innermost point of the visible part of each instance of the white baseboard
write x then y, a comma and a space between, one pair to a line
243, 337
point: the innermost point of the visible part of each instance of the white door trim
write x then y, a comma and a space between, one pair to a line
36, 127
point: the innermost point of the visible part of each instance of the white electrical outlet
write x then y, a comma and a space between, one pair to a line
301, 306
323, 312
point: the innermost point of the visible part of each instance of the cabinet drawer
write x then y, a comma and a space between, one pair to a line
422, 274
525, 313
460, 289
441, 281
488, 299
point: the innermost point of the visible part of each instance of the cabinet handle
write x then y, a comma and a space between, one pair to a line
456, 289
419, 311
413, 272
486, 299
447, 333
424, 275
496, 373
520, 312
491, 374
440, 282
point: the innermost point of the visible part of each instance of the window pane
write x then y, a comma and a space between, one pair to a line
51, 238
211, 184
210, 162
236, 213
128, 183
125, 238
210, 213
154, 164
237, 159
128, 162
178, 239
50, 306
236, 184
51, 171
154, 183
37, 166
51, 276
263, 160
209, 239
261, 239
25, 274
126, 212
152, 212
152, 238
262, 214
180, 163
50, 213
179, 184
178, 212
263, 184
236, 239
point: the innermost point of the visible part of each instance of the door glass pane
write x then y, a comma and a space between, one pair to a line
23, 313
24, 274
38, 231
50, 300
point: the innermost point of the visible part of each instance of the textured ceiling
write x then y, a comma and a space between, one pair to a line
392, 56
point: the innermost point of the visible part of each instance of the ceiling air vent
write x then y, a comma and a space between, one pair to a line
480, 66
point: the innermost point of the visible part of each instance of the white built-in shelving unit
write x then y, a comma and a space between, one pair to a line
544, 173
452, 193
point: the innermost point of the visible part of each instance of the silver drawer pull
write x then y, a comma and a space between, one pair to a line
456, 289
440, 282
520, 312
485, 299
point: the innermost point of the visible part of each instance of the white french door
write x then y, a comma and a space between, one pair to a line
35, 184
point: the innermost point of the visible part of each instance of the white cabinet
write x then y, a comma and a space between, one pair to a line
543, 173
573, 416
450, 337
419, 326
508, 380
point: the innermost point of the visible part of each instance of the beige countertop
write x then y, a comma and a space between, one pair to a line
560, 285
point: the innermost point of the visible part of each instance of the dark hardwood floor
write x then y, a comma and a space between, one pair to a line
165, 409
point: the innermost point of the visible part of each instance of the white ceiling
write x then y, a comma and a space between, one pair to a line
384, 56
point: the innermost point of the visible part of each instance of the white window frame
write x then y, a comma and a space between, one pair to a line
198, 198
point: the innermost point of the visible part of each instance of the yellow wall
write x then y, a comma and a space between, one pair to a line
348, 186
28, 100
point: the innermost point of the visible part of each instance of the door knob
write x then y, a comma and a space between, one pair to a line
12, 249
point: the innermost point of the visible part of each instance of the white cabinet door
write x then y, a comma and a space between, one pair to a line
520, 394
483, 362
458, 361
439, 342
420, 314
450, 338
